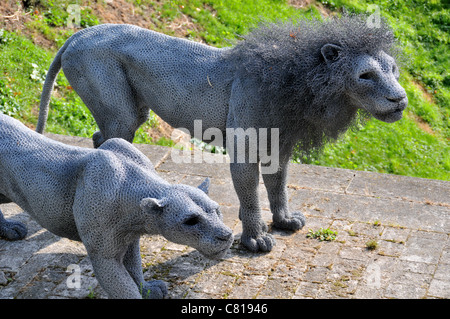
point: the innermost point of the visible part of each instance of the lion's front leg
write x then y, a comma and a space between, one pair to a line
278, 197
254, 234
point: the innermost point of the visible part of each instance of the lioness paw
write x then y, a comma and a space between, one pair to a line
155, 289
12, 230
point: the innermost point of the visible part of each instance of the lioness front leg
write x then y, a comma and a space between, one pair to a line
114, 278
154, 289
9, 229
254, 234
278, 197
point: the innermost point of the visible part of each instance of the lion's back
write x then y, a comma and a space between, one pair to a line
180, 80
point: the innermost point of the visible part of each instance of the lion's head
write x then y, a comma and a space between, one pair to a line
187, 216
315, 75
373, 85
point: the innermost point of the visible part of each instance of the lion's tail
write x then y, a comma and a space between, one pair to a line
50, 79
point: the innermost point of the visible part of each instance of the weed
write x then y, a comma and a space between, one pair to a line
91, 294
322, 234
55, 14
372, 245
141, 291
352, 233
8, 102
37, 75
208, 147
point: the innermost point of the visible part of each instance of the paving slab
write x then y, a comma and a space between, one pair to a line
407, 218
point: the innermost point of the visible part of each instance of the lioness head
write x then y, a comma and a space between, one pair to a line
372, 83
187, 216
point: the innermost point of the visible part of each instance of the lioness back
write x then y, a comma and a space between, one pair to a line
39, 174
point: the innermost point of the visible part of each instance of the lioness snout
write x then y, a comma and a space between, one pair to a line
225, 236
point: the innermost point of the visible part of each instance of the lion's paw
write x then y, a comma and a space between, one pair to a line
155, 289
263, 242
12, 230
295, 222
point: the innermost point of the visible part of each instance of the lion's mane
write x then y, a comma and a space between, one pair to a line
297, 88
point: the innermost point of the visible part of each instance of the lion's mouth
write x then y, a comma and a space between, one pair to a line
395, 114
397, 111
391, 116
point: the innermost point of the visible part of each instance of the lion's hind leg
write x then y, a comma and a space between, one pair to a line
115, 128
109, 94
117, 125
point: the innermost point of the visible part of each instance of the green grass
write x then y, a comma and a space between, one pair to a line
20, 77
401, 148
21, 84
221, 21
417, 145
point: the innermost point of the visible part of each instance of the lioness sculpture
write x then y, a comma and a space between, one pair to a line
307, 79
107, 198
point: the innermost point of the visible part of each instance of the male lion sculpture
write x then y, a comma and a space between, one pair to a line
307, 79
107, 198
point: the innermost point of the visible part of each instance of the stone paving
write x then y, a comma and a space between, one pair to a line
406, 220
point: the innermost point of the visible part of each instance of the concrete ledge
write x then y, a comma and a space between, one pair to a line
408, 218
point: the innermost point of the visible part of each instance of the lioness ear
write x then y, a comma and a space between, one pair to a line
149, 204
205, 185
330, 52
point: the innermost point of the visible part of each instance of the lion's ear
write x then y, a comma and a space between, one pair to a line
330, 52
152, 205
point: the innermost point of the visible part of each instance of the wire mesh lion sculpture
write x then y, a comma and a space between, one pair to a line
310, 79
